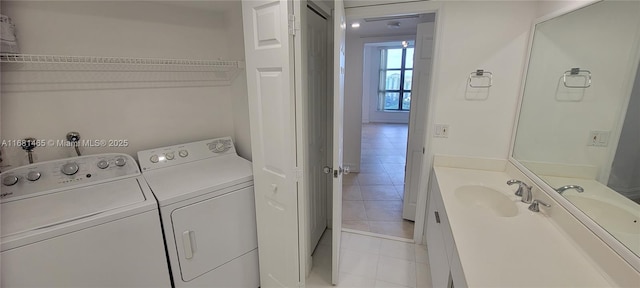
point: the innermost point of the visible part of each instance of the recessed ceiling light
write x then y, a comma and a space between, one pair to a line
355, 25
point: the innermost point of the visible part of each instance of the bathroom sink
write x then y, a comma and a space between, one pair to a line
607, 215
486, 199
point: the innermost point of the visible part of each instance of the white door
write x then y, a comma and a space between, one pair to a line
339, 26
318, 122
269, 52
418, 118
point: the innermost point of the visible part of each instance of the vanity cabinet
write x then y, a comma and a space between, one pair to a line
444, 262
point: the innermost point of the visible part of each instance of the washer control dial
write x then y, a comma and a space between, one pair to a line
154, 159
9, 180
120, 161
33, 175
103, 164
70, 168
183, 153
170, 155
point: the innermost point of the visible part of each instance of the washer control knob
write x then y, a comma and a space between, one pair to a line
120, 161
183, 153
103, 164
154, 159
70, 168
33, 175
9, 180
170, 155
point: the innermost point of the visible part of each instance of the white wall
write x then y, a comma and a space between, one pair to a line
555, 122
479, 35
152, 113
551, 6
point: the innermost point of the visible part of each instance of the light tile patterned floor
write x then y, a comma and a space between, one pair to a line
367, 261
372, 198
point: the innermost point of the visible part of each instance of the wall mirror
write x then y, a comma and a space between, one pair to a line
579, 123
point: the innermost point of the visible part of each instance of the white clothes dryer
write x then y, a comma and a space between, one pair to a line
205, 192
87, 221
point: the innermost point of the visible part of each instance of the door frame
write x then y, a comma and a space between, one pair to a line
430, 103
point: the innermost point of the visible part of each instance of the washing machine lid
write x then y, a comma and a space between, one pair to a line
50, 210
180, 182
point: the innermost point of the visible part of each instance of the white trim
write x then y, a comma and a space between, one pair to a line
416, 8
611, 241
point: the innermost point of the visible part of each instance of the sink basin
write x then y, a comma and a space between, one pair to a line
486, 199
607, 215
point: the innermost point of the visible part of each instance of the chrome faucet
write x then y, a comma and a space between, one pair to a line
523, 191
567, 187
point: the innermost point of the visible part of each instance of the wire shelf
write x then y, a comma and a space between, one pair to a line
59, 59
30, 72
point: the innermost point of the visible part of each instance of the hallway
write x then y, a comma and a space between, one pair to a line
372, 198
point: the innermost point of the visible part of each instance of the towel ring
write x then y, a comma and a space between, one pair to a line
575, 72
480, 74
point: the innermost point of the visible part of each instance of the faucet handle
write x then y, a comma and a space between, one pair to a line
521, 186
535, 205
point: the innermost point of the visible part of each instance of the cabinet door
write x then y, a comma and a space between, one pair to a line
438, 261
455, 267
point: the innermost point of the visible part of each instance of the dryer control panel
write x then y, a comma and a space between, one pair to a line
185, 153
56, 175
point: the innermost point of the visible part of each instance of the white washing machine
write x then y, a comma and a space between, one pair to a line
87, 221
205, 192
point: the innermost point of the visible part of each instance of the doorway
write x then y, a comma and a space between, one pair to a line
392, 123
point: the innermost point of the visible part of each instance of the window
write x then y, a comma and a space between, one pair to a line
396, 72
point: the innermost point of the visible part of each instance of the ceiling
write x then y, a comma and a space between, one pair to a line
360, 3
205, 5
381, 25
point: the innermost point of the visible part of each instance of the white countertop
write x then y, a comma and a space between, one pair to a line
525, 250
619, 219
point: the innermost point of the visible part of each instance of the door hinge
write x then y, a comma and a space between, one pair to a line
422, 150
292, 24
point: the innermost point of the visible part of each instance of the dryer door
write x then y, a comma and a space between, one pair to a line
215, 231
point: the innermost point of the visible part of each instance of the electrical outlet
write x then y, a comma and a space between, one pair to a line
598, 138
442, 131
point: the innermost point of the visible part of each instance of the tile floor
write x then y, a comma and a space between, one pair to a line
372, 198
367, 261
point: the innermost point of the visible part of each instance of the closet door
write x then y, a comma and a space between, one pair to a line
270, 50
